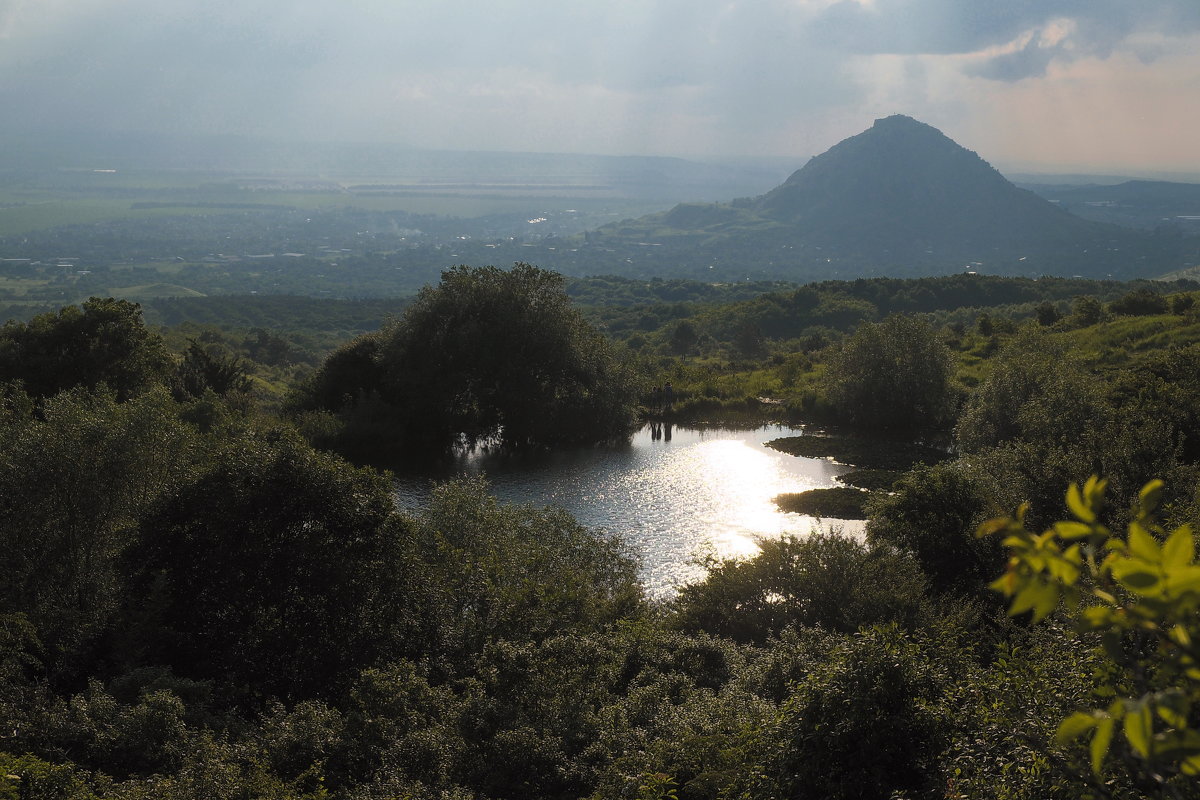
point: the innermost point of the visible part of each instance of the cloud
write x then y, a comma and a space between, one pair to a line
1012, 40
667, 76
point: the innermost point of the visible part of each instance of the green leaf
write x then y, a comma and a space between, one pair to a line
1172, 716
1039, 597
1138, 730
1150, 496
993, 526
1077, 506
1006, 584
1047, 602
1093, 492
1181, 636
1184, 579
1179, 549
1098, 617
1142, 544
1100, 743
1136, 578
1177, 745
1064, 570
1072, 530
1075, 726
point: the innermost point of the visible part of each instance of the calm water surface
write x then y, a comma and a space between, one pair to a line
670, 499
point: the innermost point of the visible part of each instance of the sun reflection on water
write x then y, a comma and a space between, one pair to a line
672, 500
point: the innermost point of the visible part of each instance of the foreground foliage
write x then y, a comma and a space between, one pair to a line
1138, 596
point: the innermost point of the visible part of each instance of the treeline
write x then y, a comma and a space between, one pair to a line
820, 308
291, 314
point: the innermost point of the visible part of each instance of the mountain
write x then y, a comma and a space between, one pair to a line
907, 186
900, 198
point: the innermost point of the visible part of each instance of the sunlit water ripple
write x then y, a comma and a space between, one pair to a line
671, 500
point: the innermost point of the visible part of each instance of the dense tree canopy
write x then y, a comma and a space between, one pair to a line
1034, 393
823, 580
194, 602
275, 568
891, 374
73, 483
1042, 419
102, 341
488, 355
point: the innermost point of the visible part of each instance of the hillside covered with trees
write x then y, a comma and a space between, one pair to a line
201, 598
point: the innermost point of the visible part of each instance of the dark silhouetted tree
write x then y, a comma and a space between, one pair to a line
488, 355
102, 341
275, 569
202, 370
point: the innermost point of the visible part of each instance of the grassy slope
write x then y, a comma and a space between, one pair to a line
1124, 341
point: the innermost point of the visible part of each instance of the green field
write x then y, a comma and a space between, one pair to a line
71, 197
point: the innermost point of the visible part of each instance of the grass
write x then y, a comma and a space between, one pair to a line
841, 502
53, 213
1125, 340
876, 480
874, 453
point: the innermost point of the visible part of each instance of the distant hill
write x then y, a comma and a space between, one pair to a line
899, 199
1161, 205
382, 166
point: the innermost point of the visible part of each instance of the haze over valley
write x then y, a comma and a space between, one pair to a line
212, 216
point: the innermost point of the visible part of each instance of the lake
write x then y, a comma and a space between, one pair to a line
671, 499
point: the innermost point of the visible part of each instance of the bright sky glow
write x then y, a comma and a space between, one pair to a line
1107, 85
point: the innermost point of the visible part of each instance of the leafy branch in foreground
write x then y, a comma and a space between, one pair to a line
1139, 595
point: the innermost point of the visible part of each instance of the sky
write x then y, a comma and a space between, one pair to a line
1039, 85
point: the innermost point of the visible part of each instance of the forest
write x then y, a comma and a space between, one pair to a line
210, 590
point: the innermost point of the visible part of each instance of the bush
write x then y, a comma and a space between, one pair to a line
825, 580
868, 723
932, 515
278, 571
893, 374
1139, 303
519, 572
104, 341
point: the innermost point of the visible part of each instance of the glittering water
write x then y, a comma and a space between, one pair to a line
670, 499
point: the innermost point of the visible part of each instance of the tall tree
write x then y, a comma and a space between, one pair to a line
102, 341
489, 355
73, 483
893, 374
